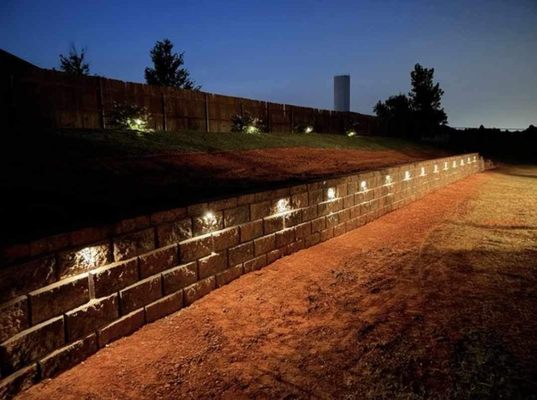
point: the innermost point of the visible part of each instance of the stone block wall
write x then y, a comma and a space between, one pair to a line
64, 297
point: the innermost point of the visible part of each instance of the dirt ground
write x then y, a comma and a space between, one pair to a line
61, 189
436, 300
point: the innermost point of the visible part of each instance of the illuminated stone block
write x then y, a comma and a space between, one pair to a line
164, 306
199, 289
114, 277
212, 264
14, 317
58, 298
179, 277
85, 319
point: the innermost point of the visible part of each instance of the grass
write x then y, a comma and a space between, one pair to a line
135, 143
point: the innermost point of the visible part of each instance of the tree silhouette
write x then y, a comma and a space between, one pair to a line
419, 113
426, 97
167, 68
73, 63
395, 115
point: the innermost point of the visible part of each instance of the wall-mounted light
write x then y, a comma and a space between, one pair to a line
363, 186
475, 159
331, 193
88, 256
209, 220
388, 180
462, 162
282, 206
435, 169
454, 164
446, 166
422, 173
408, 176
468, 160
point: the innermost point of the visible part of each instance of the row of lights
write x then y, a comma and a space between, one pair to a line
282, 206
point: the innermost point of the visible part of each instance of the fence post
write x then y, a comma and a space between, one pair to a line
10, 103
292, 119
101, 103
207, 116
163, 103
267, 113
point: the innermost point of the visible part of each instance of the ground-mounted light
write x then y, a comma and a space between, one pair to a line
308, 129
351, 133
363, 186
331, 193
408, 176
422, 172
435, 170
282, 206
210, 221
388, 180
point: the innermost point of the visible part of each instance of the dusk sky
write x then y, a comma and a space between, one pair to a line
484, 52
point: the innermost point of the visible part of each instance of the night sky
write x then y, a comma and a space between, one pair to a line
484, 52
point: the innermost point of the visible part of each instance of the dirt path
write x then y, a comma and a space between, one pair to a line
437, 300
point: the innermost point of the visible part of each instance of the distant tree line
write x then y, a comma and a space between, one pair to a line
167, 69
519, 146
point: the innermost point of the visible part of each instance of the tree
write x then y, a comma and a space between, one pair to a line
419, 113
395, 115
167, 68
426, 97
74, 63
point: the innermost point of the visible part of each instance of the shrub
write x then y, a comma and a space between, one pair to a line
304, 128
247, 124
130, 116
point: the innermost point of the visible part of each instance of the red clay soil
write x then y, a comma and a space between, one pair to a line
52, 193
436, 300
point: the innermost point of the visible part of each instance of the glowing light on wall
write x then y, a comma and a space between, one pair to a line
88, 256
209, 220
454, 165
363, 186
422, 173
468, 160
331, 193
282, 206
388, 180
446, 166
475, 159
435, 169
462, 162
408, 176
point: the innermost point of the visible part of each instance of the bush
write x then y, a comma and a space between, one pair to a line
129, 116
247, 124
304, 128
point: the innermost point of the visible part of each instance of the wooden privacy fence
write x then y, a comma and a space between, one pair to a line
47, 98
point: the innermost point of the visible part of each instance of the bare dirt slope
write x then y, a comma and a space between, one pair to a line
436, 300
50, 192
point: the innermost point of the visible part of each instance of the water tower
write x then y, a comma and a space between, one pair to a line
342, 92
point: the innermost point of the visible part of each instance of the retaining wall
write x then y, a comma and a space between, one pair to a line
64, 297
